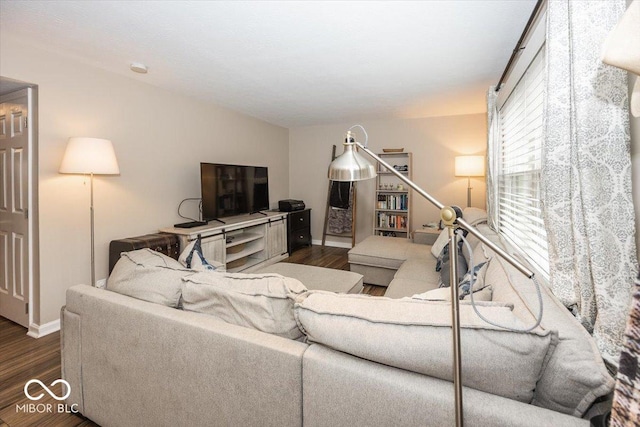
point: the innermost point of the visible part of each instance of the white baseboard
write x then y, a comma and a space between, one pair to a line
332, 244
39, 331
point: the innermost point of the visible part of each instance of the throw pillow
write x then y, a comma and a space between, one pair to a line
258, 301
148, 275
481, 291
440, 243
416, 336
444, 294
476, 276
193, 258
443, 263
474, 216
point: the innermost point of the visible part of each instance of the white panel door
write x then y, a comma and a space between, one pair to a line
14, 209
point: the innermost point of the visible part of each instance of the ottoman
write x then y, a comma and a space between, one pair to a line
318, 278
378, 258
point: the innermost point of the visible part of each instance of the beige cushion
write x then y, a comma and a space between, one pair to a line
148, 275
421, 252
440, 243
423, 269
400, 287
379, 251
444, 294
576, 375
319, 278
416, 336
258, 301
474, 216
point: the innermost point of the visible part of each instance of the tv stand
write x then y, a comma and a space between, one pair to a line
242, 243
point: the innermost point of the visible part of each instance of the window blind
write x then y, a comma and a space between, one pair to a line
519, 211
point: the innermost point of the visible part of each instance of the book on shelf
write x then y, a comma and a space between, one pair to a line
386, 220
393, 201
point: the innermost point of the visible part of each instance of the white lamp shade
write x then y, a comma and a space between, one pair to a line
351, 166
469, 165
622, 49
89, 156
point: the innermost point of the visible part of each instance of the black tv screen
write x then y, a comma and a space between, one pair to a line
229, 190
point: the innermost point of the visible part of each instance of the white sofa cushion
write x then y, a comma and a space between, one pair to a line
148, 275
440, 243
258, 301
474, 216
193, 258
386, 252
576, 375
416, 336
444, 294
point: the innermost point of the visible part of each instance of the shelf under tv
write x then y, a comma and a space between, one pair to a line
244, 238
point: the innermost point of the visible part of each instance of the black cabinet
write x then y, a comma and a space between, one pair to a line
298, 229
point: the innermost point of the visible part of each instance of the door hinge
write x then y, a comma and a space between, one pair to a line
26, 214
26, 123
26, 308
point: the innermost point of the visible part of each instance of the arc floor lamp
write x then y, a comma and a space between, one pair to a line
352, 166
90, 156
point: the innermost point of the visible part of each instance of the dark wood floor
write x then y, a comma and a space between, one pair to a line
23, 358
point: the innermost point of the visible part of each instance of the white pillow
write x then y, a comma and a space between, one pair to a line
416, 336
444, 294
257, 301
474, 216
193, 258
440, 243
148, 275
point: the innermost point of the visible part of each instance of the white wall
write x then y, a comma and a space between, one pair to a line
434, 142
159, 137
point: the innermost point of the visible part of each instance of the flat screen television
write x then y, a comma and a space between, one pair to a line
229, 190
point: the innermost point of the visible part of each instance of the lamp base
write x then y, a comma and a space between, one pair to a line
449, 216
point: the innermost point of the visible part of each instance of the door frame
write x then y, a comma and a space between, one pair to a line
31, 92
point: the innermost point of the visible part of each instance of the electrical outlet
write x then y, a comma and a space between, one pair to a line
102, 283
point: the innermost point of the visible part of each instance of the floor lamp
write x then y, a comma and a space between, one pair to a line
351, 166
90, 156
469, 166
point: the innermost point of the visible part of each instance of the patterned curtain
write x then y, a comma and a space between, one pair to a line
586, 173
493, 156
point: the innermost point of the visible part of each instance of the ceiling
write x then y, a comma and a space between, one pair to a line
291, 63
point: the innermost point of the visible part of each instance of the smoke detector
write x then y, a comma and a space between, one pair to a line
139, 67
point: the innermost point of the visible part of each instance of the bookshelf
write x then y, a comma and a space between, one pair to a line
392, 213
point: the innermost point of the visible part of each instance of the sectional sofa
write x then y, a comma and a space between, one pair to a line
254, 350
408, 268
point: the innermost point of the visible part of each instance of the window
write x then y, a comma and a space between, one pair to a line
519, 214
